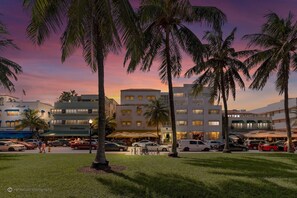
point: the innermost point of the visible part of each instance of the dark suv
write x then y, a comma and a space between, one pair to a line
253, 144
60, 142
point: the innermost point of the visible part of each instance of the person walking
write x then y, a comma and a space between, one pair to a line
39, 145
43, 146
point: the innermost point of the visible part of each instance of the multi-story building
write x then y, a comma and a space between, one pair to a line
130, 111
71, 118
277, 113
242, 121
196, 117
11, 109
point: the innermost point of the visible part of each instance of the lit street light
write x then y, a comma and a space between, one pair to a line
90, 133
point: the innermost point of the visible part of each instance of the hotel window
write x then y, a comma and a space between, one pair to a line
95, 110
139, 111
178, 94
82, 111
126, 112
126, 123
213, 111
13, 113
140, 97
181, 111
56, 111
82, 122
197, 111
138, 123
197, 123
213, 123
56, 121
181, 123
151, 97
70, 111
129, 97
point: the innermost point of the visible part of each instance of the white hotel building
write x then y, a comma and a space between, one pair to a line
11, 109
277, 113
195, 116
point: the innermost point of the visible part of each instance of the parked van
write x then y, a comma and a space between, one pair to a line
192, 145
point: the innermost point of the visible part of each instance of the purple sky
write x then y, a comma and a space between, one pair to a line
45, 77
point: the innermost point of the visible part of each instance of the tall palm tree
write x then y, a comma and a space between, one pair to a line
8, 68
278, 43
220, 72
157, 113
32, 120
95, 26
164, 36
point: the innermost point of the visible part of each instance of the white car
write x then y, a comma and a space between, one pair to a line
157, 147
142, 143
192, 145
9, 146
213, 144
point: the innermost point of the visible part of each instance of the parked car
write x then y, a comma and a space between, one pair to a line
213, 144
60, 142
157, 147
9, 146
253, 144
192, 145
32, 141
115, 147
83, 144
233, 147
141, 143
28, 146
268, 147
280, 144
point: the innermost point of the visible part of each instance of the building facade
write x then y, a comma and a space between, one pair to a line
71, 118
277, 113
242, 121
196, 117
11, 109
133, 105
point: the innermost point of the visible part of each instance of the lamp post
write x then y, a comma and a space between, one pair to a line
90, 133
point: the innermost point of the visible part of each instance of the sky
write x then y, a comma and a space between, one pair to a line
45, 77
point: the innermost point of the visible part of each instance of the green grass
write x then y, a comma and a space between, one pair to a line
192, 175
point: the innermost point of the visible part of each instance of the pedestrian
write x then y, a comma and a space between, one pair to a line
39, 145
43, 146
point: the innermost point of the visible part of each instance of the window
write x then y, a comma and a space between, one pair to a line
151, 97
178, 94
138, 123
181, 111
12, 123
140, 97
56, 121
213, 111
56, 111
82, 111
214, 123
181, 123
126, 123
197, 123
197, 111
129, 97
13, 113
139, 111
126, 112
193, 142
70, 111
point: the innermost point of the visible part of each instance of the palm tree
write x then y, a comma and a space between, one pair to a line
278, 43
164, 36
67, 95
8, 68
96, 27
32, 120
220, 71
157, 113
110, 124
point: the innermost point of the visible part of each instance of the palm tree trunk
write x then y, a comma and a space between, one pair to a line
158, 133
171, 101
225, 121
287, 114
100, 161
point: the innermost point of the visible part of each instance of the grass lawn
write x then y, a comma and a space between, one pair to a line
192, 175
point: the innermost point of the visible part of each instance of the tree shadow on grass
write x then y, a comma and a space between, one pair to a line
175, 185
7, 157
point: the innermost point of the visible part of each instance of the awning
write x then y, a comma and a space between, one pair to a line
251, 121
12, 110
132, 135
264, 121
267, 134
15, 134
237, 121
65, 134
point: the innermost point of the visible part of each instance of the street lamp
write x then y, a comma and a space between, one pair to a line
90, 133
